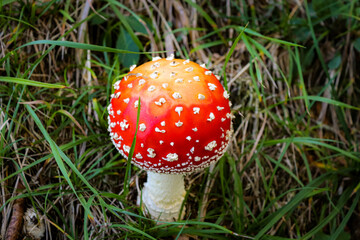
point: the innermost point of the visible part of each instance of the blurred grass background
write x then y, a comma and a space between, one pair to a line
292, 170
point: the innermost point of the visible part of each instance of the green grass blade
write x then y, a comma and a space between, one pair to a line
70, 116
307, 192
342, 201
227, 58
133, 229
207, 18
5, 2
18, 20
326, 100
250, 32
302, 84
127, 26
254, 33
345, 220
55, 150
206, 45
77, 45
131, 153
315, 141
316, 42
63, 148
30, 82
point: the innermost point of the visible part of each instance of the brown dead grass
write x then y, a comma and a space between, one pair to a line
252, 120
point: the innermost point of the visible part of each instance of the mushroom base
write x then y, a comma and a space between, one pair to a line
163, 195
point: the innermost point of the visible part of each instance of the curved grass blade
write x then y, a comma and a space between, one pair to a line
302, 84
30, 82
19, 20
326, 100
250, 32
131, 153
47, 157
85, 46
227, 58
5, 2
207, 18
132, 229
344, 221
55, 150
341, 203
315, 141
254, 33
206, 45
66, 113
256, 76
310, 190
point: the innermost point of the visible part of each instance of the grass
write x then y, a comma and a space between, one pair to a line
292, 170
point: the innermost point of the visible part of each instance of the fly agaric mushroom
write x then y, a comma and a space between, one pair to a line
184, 125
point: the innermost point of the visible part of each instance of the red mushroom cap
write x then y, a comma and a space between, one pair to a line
185, 118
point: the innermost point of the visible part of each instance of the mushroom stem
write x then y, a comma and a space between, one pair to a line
163, 195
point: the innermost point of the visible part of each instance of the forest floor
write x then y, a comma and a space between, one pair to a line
292, 170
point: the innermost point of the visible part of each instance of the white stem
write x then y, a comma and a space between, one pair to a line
163, 195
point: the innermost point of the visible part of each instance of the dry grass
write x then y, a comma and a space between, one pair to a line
290, 162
